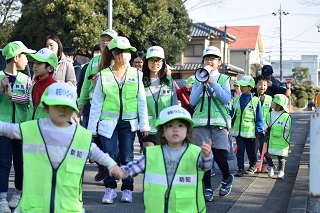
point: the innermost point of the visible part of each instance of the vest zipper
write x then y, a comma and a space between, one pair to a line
121, 104
53, 190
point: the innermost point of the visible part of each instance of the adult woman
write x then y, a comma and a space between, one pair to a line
159, 88
65, 70
118, 100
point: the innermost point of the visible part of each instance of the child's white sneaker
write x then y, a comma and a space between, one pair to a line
270, 171
14, 201
281, 175
4, 207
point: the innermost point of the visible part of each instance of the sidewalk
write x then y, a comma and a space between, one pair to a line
252, 193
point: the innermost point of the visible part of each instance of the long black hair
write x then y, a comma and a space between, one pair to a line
162, 74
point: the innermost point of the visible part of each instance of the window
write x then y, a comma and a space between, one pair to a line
194, 50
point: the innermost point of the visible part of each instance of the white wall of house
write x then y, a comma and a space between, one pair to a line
309, 61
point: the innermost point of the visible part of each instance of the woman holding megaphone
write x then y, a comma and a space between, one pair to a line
211, 95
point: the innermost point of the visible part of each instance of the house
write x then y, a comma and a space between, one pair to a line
202, 36
248, 49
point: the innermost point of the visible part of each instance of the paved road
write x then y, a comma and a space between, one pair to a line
252, 193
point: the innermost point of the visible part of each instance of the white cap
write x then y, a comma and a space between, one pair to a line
155, 51
211, 50
171, 113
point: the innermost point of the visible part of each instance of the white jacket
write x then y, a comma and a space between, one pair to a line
106, 127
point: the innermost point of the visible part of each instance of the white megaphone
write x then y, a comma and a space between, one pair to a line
203, 74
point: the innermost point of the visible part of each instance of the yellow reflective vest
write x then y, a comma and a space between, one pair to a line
185, 194
244, 124
266, 105
38, 112
46, 189
120, 103
156, 106
279, 143
207, 113
14, 112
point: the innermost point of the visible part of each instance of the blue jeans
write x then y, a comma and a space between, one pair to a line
10, 148
248, 145
120, 149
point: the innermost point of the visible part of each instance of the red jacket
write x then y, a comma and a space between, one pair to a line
184, 90
39, 87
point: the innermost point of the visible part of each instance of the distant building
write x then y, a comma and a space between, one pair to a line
308, 61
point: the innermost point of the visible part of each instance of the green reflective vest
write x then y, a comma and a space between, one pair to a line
156, 106
245, 125
120, 103
87, 88
38, 112
278, 143
266, 106
46, 189
14, 112
207, 113
185, 194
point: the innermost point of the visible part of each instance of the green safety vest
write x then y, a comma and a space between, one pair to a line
46, 189
185, 194
245, 125
279, 144
88, 87
156, 106
207, 113
120, 103
37, 113
266, 106
14, 112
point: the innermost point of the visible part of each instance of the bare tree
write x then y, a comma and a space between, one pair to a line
310, 2
9, 11
195, 5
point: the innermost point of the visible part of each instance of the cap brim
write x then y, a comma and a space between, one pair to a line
59, 102
170, 119
133, 49
28, 51
36, 57
211, 54
240, 83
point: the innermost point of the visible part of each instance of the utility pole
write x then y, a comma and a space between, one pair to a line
280, 12
110, 14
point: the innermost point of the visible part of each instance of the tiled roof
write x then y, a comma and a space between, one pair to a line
204, 30
247, 36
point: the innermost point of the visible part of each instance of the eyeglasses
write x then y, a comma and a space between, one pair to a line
153, 61
210, 59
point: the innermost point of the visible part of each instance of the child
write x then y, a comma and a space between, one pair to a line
159, 89
55, 152
265, 100
210, 122
174, 170
45, 61
186, 91
14, 100
247, 126
279, 125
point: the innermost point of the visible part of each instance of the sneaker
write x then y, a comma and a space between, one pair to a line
126, 196
14, 201
264, 169
100, 175
240, 173
270, 171
251, 170
208, 195
281, 175
109, 195
4, 207
226, 186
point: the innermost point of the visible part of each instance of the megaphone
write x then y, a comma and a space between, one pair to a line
202, 74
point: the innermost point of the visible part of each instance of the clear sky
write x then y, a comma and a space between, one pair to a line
300, 34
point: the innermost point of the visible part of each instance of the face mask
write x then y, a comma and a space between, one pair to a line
127, 57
